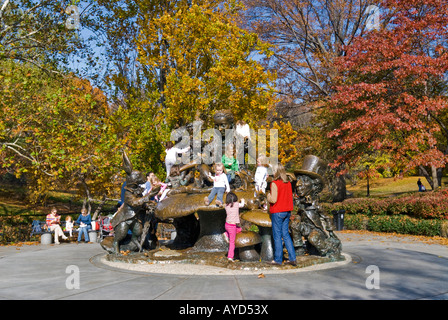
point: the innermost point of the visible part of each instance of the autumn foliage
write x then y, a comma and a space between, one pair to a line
379, 95
205, 63
55, 131
391, 93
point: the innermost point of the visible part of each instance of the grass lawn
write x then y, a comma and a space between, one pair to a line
12, 209
387, 187
12, 204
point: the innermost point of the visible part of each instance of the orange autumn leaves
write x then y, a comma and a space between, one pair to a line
390, 96
55, 131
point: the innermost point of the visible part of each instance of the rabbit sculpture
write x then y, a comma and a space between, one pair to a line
129, 215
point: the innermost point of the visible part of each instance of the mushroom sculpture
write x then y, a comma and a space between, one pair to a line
263, 221
204, 233
245, 241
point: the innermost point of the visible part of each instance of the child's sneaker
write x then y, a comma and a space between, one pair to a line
226, 237
206, 201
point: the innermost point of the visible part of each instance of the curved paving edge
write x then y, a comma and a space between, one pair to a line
204, 270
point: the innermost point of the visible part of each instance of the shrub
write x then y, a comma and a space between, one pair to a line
15, 229
355, 222
396, 223
404, 225
431, 205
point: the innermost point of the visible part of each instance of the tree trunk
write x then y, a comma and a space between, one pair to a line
425, 173
100, 206
437, 174
339, 188
435, 180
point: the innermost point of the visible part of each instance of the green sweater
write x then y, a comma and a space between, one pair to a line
230, 163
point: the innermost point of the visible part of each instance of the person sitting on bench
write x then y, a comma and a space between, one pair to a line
53, 222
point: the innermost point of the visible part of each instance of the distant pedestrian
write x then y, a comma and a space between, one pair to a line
421, 187
230, 163
123, 190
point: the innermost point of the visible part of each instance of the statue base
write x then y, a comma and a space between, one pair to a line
164, 256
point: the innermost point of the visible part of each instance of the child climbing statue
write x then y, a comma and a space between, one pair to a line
220, 185
232, 222
261, 174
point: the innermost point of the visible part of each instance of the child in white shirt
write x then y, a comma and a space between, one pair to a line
220, 185
261, 175
69, 225
171, 155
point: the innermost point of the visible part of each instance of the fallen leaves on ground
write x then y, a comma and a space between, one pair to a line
403, 237
19, 244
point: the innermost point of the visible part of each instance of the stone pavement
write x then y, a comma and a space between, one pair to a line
378, 267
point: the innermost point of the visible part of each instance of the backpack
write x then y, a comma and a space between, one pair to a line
36, 227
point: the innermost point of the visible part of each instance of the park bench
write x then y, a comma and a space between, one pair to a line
46, 236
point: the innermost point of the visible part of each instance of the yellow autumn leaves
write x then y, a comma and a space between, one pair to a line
205, 63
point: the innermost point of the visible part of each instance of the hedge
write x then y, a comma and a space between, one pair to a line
15, 229
431, 205
399, 224
423, 214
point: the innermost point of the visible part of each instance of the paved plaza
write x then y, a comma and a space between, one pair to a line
377, 267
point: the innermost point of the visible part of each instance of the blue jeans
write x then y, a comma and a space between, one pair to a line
216, 191
280, 224
85, 231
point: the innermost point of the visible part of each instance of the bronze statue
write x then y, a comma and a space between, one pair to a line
223, 120
314, 225
131, 214
200, 226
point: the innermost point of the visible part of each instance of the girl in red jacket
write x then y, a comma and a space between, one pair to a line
280, 198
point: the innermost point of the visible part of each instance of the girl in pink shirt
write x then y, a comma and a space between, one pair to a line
232, 221
155, 181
